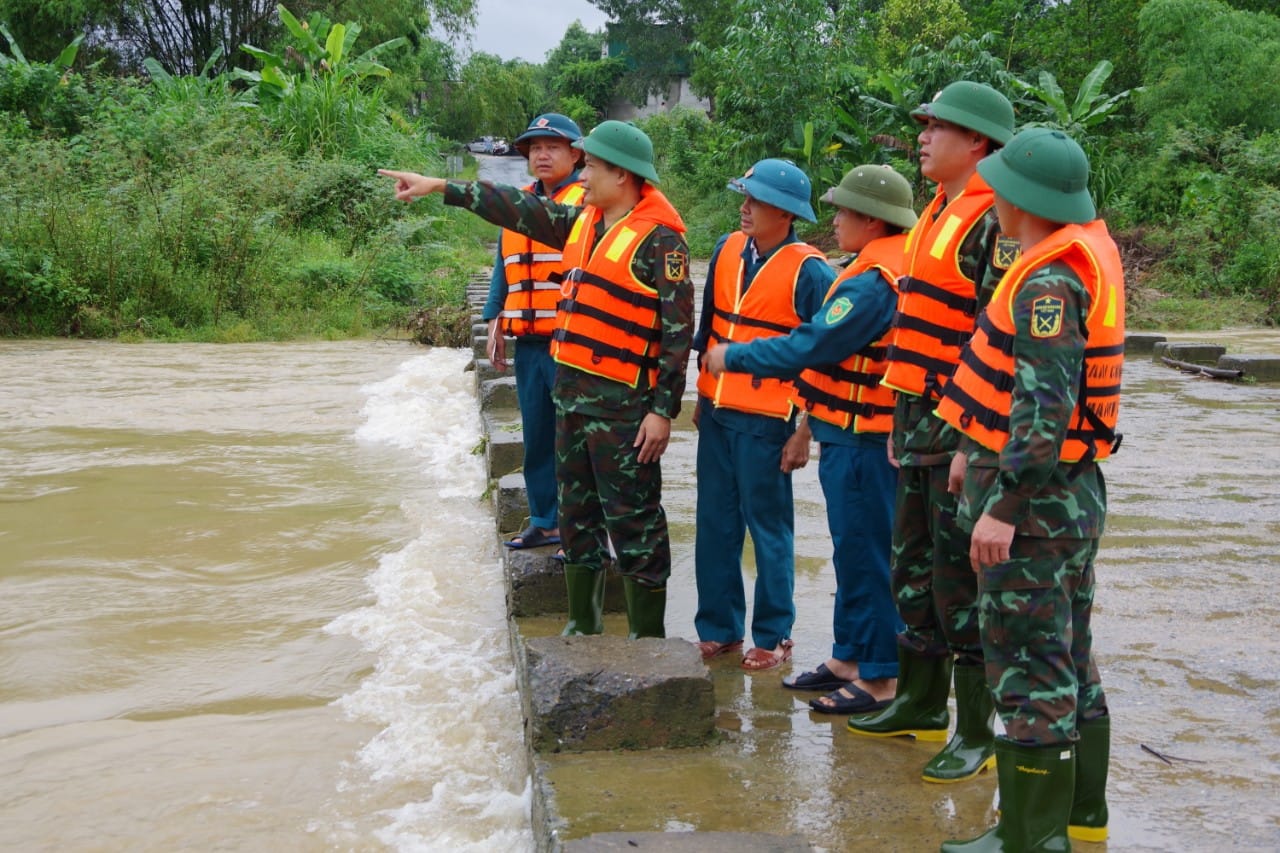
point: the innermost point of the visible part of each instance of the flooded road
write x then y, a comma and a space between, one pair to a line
1188, 606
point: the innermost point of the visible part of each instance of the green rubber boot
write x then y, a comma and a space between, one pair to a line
971, 749
919, 706
1036, 784
646, 609
1093, 754
586, 600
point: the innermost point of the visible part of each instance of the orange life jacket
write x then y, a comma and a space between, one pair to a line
937, 304
766, 310
534, 272
850, 392
609, 322
978, 399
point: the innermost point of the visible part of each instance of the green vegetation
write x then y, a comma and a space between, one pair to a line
187, 208
189, 182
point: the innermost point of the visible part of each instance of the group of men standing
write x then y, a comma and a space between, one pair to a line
961, 376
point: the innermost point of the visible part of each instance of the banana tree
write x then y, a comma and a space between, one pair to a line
313, 90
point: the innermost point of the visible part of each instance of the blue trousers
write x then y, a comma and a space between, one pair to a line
741, 487
535, 375
859, 484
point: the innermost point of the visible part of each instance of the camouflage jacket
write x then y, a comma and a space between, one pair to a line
1025, 484
550, 223
919, 436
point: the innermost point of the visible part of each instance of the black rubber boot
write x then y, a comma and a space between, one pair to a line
1093, 754
586, 600
646, 609
919, 706
1036, 784
971, 749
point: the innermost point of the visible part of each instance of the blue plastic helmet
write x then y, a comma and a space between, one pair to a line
780, 183
548, 124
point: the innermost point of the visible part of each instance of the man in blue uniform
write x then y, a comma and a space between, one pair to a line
762, 282
838, 356
523, 292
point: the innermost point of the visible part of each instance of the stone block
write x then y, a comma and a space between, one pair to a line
608, 692
1136, 343
479, 347
535, 584
1260, 368
1195, 353
498, 394
510, 503
1159, 350
687, 842
505, 446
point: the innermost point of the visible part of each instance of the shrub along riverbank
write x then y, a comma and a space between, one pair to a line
189, 209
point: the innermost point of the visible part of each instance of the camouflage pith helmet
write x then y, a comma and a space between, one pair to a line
876, 191
553, 125
622, 144
975, 106
780, 183
1043, 172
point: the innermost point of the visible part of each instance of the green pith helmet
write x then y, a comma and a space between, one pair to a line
780, 183
1043, 172
550, 125
876, 191
624, 145
975, 106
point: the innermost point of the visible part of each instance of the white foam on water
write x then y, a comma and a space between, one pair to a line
443, 686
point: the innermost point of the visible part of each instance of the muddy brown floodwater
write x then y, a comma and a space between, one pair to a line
1185, 632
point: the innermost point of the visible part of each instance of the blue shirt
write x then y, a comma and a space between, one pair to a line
819, 342
812, 284
498, 278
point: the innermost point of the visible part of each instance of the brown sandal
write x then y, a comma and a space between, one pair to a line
711, 649
758, 659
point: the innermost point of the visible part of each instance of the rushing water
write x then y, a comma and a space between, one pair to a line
250, 599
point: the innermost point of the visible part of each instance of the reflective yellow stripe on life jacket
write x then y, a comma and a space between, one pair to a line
978, 399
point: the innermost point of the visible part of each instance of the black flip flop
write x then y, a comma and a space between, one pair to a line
861, 702
531, 537
821, 678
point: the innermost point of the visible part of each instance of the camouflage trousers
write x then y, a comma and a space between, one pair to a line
603, 490
1035, 612
933, 582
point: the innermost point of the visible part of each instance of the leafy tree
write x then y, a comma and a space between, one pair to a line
312, 90
1208, 64
578, 75
493, 97
904, 25
576, 45
656, 35
183, 34
593, 81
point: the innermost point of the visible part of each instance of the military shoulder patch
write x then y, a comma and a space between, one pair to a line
838, 310
677, 265
1004, 252
1046, 317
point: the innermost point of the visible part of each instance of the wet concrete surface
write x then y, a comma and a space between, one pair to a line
1185, 633
1185, 628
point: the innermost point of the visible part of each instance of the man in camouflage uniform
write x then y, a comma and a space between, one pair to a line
610, 432
955, 256
1036, 396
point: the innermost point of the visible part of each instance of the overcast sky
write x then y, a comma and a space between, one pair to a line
527, 29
